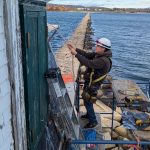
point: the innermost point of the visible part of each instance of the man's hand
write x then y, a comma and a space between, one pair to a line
72, 49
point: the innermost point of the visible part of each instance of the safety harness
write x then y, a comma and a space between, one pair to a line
86, 94
96, 80
99, 78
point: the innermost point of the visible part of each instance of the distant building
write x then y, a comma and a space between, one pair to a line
80, 9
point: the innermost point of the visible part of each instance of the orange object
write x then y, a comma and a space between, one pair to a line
67, 78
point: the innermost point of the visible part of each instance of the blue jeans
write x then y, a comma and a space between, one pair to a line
92, 90
90, 111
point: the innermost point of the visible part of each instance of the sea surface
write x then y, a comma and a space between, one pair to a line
129, 34
68, 22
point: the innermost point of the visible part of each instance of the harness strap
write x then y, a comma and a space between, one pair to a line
96, 80
100, 78
91, 75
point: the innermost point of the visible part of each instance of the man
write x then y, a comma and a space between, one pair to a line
98, 64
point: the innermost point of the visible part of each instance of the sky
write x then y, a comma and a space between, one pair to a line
106, 3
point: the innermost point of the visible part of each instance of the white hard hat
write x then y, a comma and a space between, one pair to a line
104, 42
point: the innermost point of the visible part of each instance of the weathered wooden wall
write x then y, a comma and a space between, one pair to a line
6, 138
12, 112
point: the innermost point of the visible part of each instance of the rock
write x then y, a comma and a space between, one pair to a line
108, 137
122, 138
98, 109
106, 130
130, 148
108, 123
99, 94
82, 109
107, 109
109, 116
125, 146
114, 134
122, 131
118, 110
117, 148
81, 102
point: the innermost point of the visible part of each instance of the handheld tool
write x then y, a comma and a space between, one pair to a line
140, 122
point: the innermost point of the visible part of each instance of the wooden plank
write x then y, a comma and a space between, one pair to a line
126, 85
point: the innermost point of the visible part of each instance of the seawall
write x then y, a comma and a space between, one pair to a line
67, 63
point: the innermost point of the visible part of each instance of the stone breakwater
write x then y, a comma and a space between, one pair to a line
67, 63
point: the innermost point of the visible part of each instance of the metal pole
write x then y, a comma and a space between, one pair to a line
78, 95
103, 113
149, 88
112, 122
109, 142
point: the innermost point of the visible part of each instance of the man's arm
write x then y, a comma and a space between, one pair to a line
94, 64
74, 51
83, 53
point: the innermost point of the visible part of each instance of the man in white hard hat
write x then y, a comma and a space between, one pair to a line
98, 64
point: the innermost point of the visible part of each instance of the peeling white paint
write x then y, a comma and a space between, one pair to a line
17, 88
6, 138
11, 79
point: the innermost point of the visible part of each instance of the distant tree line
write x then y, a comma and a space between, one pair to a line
51, 7
60, 8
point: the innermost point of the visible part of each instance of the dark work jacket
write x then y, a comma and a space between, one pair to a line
101, 63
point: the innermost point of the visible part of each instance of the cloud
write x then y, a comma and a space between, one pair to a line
106, 3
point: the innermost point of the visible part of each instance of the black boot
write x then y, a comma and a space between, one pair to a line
84, 116
91, 125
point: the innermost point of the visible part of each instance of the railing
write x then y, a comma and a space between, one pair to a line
142, 144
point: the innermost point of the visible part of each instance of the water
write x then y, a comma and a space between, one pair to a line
67, 21
130, 36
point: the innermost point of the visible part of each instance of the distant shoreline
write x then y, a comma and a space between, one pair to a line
103, 12
70, 8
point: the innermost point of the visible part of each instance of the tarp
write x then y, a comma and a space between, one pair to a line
129, 120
